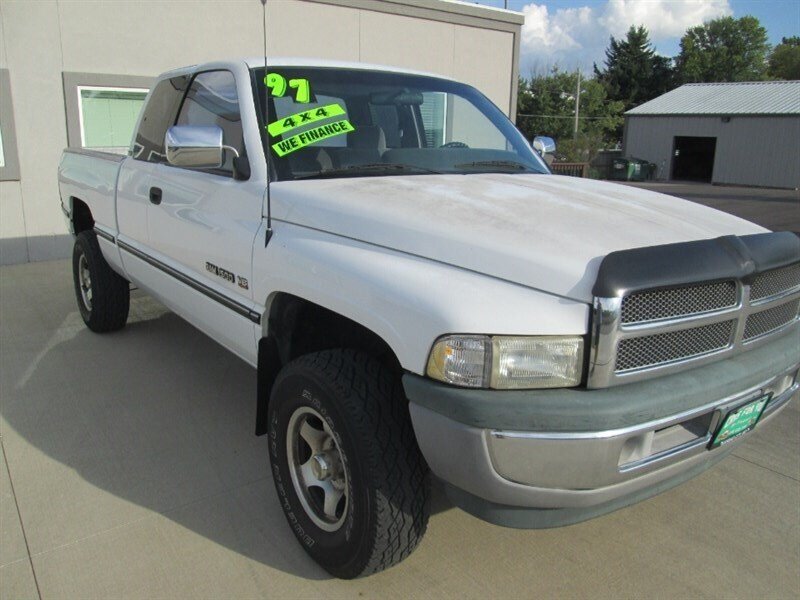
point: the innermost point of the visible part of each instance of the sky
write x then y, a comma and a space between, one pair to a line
575, 33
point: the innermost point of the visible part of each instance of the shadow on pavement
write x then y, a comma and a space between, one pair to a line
160, 416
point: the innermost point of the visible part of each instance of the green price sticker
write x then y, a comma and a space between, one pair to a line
278, 84
305, 117
317, 134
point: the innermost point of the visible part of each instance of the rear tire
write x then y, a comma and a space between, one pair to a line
368, 501
103, 296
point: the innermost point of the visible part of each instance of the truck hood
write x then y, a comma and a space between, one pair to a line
542, 231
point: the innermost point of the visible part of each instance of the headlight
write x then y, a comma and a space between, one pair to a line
505, 362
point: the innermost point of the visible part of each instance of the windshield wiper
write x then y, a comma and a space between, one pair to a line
492, 164
371, 168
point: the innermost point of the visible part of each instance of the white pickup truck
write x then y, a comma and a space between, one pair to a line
420, 295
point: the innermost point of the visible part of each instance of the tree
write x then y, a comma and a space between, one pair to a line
582, 149
724, 49
546, 106
784, 62
633, 72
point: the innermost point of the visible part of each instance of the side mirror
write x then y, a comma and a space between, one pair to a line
544, 145
193, 146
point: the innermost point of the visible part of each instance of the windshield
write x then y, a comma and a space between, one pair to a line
331, 122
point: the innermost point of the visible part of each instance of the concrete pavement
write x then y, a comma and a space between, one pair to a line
130, 469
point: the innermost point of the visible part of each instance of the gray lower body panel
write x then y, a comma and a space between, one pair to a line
518, 517
540, 477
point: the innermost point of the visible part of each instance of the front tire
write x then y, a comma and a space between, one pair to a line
103, 295
349, 475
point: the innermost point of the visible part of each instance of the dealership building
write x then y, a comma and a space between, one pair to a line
76, 73
728, 133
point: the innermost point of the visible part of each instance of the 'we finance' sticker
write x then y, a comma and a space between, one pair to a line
306, 138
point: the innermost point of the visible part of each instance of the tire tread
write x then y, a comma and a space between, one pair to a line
110, 291
372, 398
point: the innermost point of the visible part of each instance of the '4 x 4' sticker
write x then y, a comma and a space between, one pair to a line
305, 117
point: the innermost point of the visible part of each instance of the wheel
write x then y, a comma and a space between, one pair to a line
349, 475
103, 296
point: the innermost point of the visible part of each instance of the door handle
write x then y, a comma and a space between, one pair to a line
155, 195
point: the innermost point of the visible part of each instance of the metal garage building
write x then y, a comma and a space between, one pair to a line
76, 73
733, 133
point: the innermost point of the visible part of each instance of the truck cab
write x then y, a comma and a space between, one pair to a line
420, 297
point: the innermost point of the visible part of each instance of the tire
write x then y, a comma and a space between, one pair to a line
383, 512
103, 296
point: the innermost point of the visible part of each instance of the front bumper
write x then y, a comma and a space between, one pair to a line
527, 464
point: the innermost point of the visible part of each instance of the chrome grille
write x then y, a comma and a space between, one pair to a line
639, 352
767, 321
643, 307
776, 281
652, 332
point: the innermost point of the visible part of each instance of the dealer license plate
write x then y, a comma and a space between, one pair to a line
739, 421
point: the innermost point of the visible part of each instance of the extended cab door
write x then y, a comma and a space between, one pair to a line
133, 185
203, 222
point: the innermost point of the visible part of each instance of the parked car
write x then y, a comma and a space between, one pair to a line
418, 295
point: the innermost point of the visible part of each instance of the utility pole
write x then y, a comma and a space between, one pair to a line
577, 106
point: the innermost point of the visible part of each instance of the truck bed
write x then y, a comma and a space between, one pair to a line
91, 176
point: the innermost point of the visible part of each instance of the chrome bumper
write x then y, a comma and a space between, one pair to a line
591, 460
582, 470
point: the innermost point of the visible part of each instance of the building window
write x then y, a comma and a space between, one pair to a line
102, 109
9, 162
108, 116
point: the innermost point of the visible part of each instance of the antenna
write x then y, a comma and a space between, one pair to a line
268, 233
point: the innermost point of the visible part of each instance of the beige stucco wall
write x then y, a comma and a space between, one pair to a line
42, 39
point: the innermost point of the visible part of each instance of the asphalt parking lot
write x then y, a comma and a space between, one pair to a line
129, 469
778, 210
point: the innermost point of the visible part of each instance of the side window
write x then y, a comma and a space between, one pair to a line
212, 100
464, 123
159, 114
433, 110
